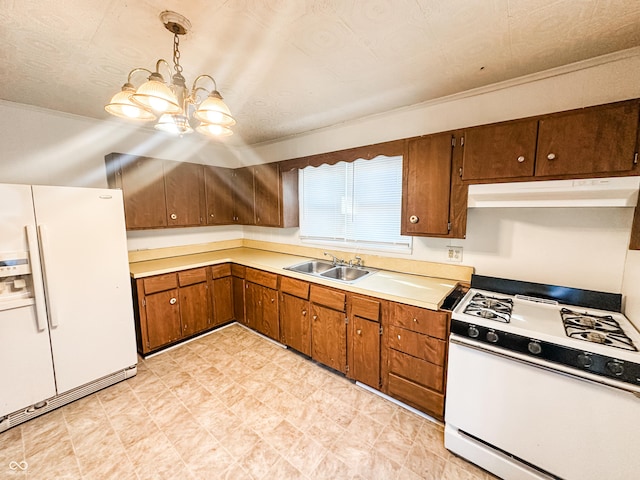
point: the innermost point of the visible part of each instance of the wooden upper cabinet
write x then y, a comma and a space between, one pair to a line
427, 186
502, 150
243, 200
266, 179
218, 185
142, 182
593, 140
184, 186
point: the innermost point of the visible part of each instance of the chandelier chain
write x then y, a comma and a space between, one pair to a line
176, 54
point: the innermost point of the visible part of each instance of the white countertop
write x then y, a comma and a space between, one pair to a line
418, 290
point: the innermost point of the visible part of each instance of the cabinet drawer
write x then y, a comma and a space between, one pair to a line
416, 370
365, 308
266, 279
421, 346
237, 270
421, 320
417, 396
189, 277
294, 287
219, 271
159, 283
329, 298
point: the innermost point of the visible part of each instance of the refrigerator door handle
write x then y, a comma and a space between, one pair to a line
36, 276
44, 245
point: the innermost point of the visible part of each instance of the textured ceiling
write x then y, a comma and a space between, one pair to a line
289, 66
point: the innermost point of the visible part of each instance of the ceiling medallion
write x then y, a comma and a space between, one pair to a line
170, 104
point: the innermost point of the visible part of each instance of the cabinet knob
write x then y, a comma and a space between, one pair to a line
273, 300
173, 216
415, 320
359, 332
173, 301
398, 337
521, 159
414, 219
315, 317
211, 215
551, 156
304, 312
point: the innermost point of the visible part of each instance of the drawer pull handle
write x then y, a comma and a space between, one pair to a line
173, 301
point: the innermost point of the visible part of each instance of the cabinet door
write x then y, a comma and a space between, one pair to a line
239, 299
267, 194
503, 150
184, 186
253, 305
329, 337
269, 324
194, 309
222, 300
294, 323
593, 140
218, 195
427, 185
143, 192
364, 354
243, 200
163, 318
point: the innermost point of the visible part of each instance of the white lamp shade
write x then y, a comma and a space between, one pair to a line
214, 111
122, 106
174, 124
212, 130
157, 96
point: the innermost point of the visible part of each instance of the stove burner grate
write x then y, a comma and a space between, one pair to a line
604, 330
494, 308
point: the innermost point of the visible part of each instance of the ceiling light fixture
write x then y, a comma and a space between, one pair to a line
171, 103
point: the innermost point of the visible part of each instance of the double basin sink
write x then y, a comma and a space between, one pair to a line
330, 271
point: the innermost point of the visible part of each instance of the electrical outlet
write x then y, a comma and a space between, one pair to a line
454, 254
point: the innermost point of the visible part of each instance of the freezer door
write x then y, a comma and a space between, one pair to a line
86, 271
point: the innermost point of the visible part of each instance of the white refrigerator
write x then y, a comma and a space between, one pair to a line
66, 313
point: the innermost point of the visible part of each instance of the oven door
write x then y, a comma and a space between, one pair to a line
498, 406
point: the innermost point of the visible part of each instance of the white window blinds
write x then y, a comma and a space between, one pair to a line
356, 203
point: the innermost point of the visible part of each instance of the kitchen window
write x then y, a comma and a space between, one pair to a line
355, 204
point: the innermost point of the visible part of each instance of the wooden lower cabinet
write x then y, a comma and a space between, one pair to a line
222, 294
415, 349
171, 307
329, 327
261, 302
364, 330
295, 325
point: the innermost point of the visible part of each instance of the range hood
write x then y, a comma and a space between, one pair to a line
590, 192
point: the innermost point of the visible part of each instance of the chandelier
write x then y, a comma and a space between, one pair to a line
170, 104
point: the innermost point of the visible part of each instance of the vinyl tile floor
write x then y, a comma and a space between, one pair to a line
231, 405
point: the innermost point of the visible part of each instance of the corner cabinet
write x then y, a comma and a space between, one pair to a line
593, 141
434, 201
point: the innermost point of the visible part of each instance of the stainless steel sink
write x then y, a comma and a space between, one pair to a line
329, 271
313, 267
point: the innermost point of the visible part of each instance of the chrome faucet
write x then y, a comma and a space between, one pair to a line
335, 260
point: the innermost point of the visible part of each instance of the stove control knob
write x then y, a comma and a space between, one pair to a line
492, 337
534, 347
615, 367
473, 331
585, 360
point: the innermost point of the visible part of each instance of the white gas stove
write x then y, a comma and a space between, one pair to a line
528, 364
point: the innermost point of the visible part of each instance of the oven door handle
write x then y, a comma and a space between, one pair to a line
544, 364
